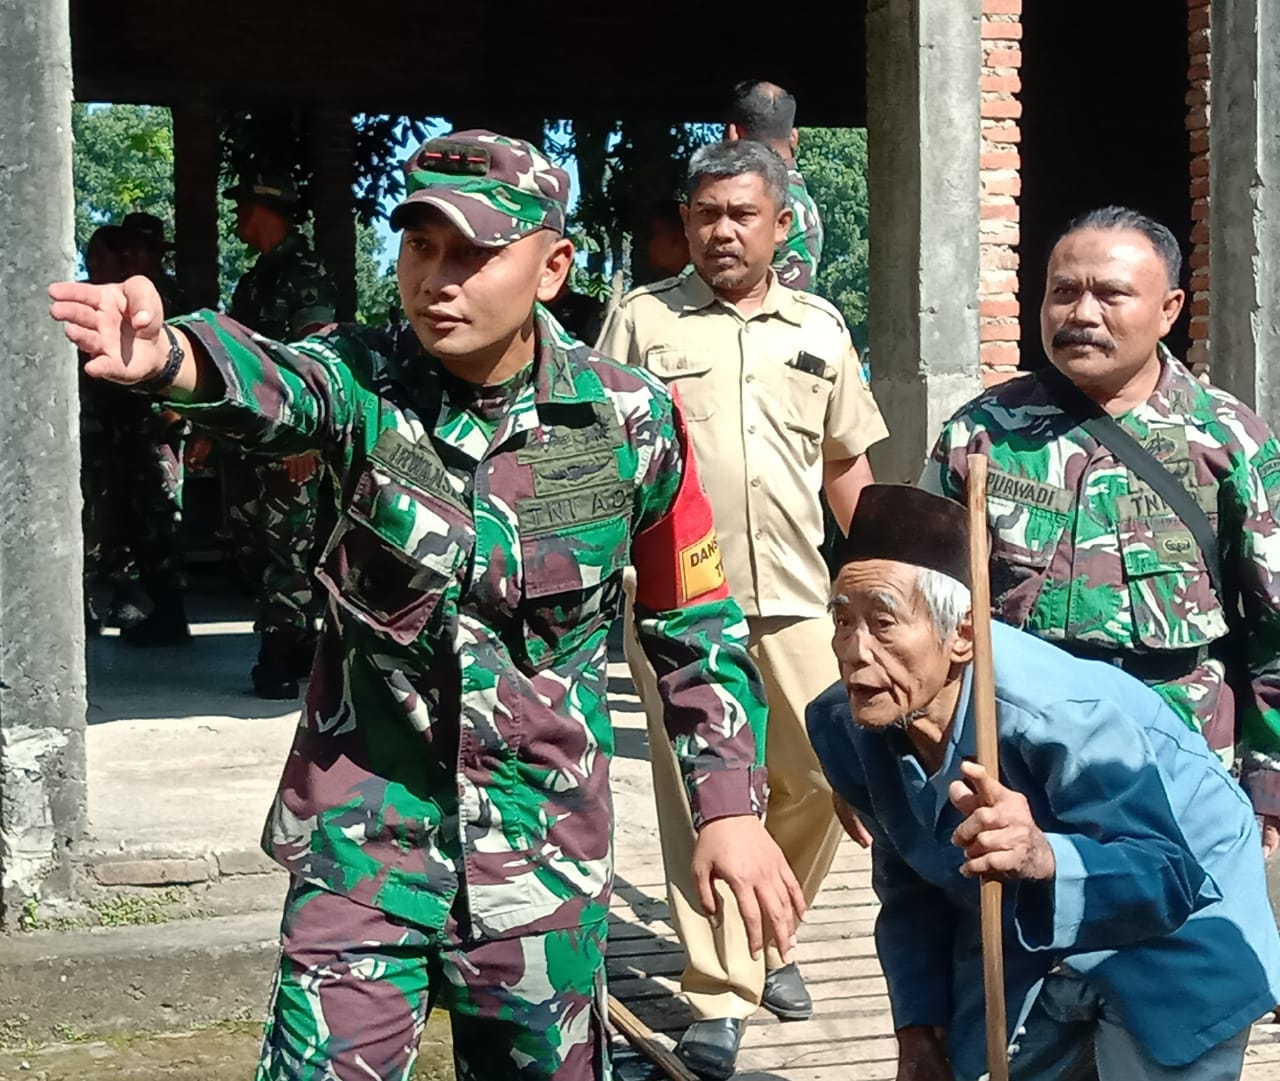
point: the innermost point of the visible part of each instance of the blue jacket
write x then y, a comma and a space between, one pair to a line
1159, 899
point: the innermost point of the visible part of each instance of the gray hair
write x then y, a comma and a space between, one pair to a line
1122, 217
720, 160
947, 599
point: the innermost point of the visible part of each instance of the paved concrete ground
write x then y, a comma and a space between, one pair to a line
182, 764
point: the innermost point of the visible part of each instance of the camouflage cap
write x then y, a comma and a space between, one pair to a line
269, 189
145, 227
494, 189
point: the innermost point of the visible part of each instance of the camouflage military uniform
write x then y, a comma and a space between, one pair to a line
796, 262
445, 811
274, 517
1086, 555
132, 483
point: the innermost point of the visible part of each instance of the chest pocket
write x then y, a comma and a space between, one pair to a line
575, 539
690, 375
1027, 519
804, 397
1172, 598
399, 543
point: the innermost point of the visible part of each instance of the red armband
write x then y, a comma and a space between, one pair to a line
677, 559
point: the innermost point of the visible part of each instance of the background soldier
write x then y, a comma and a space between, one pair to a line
1087, 554
133, 471
274, 505
777, 410
445, 810
765, 113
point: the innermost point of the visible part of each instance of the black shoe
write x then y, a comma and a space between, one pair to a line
273, 676
128, 605
710, 1048
166, 626
157, 630
785, 995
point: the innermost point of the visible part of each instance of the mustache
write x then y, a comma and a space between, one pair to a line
1079, 336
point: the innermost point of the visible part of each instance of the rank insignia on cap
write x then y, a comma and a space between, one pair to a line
458, 159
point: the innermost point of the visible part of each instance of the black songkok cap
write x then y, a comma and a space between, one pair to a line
906, 524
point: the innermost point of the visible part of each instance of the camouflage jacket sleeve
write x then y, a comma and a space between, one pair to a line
695, 635
284, 399
1252, 544
796, 262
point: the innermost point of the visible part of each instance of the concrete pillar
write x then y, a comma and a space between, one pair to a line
1244, 193
924, 62
196, 158
331, 141
42, 672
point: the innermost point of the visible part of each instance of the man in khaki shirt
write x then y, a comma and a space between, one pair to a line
776, 409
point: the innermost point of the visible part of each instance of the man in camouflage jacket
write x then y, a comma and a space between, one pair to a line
445, 811
765, 113
274, 504
1083, 552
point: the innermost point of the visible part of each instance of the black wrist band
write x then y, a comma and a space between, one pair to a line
163, 379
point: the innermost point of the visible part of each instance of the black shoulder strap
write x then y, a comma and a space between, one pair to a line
1073, 401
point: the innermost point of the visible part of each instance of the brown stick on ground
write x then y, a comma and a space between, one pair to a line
643, 1039
984, 714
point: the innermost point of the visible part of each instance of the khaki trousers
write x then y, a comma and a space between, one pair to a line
794, 657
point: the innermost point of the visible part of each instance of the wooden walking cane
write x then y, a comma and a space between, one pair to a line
642, 1038
984, 715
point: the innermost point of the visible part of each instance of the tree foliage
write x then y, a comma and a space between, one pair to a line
834, 164
123, 162
623, 169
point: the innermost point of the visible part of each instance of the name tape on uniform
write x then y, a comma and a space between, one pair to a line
1028, 492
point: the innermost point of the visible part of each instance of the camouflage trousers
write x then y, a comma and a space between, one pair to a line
131, 480
355, 985
275, 524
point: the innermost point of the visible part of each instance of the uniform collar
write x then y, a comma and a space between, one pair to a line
778, 301
1177, 390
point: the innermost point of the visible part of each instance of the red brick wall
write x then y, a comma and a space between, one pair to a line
1000, 185
1198, 132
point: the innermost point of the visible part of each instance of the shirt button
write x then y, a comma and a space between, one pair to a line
750, 379
815, 388
759, 534
755, 482
751, 429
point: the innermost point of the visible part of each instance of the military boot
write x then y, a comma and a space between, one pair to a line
126, 606
165, 626
274, 675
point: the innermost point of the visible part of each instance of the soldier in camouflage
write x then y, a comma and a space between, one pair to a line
1084, 553
147, 461
133, 473
273, 504
445, 811
765, 113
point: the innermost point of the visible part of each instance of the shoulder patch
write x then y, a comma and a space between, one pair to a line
652, 289
812, 300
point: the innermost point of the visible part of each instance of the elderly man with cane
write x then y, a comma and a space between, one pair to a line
1138, 942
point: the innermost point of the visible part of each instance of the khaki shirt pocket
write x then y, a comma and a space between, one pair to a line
1172, 598
690, 375
804, 402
